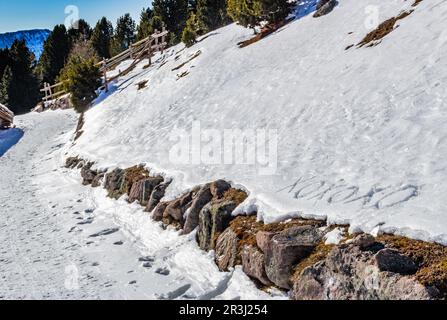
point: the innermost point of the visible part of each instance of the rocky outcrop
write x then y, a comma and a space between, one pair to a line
97, 181
291, 255
157, 214
176, 209
214, 218
157, 194
211, 191
253, 264
227, 250
393, 261
288, 248
142, 190
324, 7
352, 272
113, 182
87, 174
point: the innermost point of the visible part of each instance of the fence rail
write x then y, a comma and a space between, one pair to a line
137, 51
6, 117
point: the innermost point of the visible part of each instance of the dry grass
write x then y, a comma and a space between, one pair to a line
132, 175
319, 254
382, 30
142, 84
416, 2
266, 31
431, 259
236, 195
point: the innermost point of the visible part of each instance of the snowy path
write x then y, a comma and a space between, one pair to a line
47, 233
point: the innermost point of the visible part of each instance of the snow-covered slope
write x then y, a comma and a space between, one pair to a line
361, 133
35, 40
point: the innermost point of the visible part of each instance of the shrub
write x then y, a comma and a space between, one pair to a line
189, 34
82, 78
250, 13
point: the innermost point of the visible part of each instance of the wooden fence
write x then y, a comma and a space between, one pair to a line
137, 51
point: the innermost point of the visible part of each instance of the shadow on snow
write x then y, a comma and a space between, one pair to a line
8, 138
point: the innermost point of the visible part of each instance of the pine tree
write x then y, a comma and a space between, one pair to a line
275, 11
80, 31
189, 34
250, 13
124, 34
82, 79
5, 86
157, 23
145, 27
212, 14
5, 60
174, 14
101, 37
55, 53
19, 81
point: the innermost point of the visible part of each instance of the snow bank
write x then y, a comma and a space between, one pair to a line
356, 136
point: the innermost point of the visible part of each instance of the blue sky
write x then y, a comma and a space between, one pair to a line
45, 14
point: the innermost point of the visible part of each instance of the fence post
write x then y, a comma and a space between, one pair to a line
45, 91
163, 38
50, 91
131, 51
104, 71
156, 39
150, 49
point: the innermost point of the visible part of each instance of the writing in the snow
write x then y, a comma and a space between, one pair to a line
378, 197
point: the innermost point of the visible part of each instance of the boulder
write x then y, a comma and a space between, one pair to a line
393, 261
363, 241
264, 239
226, 250
98, 179
218, 188
203, 197
208, 192
214, 218
350, 272
175, 211
287, 249
324, 7
157, 194
87, 174
141, 190
113, 182
253, 264
72, 162
157, 215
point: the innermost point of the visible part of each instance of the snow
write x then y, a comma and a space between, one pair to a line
34, 39
62, 240
334, 236
361, 135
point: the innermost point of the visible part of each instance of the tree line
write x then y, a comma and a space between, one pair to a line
70, 55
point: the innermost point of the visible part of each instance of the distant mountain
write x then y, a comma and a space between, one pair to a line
35, 39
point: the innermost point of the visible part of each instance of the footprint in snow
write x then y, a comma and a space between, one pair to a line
163, 271
104, 232
118, 243
146, 259
175, 293
86, 221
